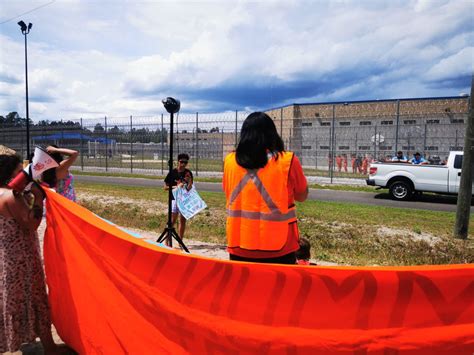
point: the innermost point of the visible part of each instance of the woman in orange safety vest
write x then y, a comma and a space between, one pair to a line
261, 182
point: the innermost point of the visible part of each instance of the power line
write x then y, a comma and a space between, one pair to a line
28, 12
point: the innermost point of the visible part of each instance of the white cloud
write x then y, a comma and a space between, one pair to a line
119, 58
460, 63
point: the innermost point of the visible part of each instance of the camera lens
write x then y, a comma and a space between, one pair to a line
171, 105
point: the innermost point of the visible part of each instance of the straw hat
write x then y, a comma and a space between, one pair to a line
6, 151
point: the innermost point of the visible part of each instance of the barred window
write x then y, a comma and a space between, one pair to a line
324, 147
408, 147
325, 123
344, 147
344, 123
409, 121
457, 120
307, 124
432, 121
364, 147
431, 147
459, 147
365, 123
386, 122
306, 147
385, 147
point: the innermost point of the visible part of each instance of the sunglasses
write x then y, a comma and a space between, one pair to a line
183, 161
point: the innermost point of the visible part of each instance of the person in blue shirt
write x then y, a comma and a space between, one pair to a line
418, 159
400, 157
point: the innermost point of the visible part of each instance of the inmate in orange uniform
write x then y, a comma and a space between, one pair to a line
365, 165
339, 163
295, 184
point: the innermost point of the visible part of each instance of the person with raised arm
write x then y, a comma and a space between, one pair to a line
61, 178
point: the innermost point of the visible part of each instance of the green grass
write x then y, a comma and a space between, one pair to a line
336, 174
345, 233
336, 187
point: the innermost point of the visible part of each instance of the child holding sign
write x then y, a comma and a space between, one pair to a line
179, 177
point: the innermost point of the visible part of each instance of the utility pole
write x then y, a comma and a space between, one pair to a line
465, 187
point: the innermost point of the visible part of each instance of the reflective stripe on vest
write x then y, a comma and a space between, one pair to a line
256, 229
275, 214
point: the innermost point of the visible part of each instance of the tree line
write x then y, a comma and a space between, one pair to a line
13, 121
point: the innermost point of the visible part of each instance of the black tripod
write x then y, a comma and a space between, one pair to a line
172, 106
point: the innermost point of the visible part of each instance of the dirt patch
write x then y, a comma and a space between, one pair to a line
154, 207
405, 233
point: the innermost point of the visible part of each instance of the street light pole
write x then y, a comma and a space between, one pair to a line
25, 30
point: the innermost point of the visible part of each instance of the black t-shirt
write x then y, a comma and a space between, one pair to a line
175, 176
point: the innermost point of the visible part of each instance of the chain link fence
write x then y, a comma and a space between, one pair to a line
347, 146
337, 147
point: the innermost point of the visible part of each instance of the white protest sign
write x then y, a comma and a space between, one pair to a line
189, 202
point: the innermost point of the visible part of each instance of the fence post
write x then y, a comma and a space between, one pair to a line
315, 149
5, 132
82, 147
375, 141
356, 150
62, 134
424, 143
409, 144
197, 143
23, 144
176, 139
131, 144
162, 145
236, 112
106, 148
281, 122
333, 136
290, 143
222, 146
396, 128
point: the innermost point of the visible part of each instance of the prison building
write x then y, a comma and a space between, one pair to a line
432, 126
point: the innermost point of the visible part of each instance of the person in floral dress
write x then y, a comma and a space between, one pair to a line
24, 309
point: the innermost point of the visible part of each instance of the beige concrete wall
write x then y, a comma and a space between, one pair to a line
374, 108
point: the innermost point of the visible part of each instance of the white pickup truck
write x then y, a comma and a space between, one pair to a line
404, 179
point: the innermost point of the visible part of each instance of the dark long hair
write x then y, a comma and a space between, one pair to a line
8, 164
49, 176
258, 137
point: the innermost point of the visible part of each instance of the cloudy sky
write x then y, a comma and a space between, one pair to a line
119, 58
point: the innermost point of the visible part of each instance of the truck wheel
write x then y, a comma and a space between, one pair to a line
401, 190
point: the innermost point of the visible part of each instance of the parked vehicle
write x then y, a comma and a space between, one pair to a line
404, 179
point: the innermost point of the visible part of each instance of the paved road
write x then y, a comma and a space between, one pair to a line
426, 202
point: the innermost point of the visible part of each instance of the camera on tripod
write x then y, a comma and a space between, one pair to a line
171, 105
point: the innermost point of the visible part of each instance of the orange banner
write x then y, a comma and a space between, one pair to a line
113, 293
